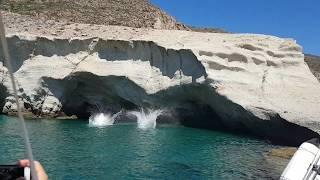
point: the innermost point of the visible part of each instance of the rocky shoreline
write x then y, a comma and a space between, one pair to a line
253, 83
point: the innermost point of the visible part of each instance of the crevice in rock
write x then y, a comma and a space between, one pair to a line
263, 80
272, 54
250, 47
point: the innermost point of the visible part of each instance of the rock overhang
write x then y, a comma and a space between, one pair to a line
264, 75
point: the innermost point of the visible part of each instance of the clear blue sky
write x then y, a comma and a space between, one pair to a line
298, 19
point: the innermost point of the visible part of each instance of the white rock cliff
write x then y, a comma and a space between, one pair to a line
254, 83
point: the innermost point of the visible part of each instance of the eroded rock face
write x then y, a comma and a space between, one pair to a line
238, 82
314, 64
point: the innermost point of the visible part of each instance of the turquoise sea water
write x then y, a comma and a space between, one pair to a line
70, 149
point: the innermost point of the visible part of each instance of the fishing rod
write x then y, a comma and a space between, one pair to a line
25, 133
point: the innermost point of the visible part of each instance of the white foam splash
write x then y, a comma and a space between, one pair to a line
102, 119
146, 119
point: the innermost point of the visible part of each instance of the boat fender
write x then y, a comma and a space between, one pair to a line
299, 164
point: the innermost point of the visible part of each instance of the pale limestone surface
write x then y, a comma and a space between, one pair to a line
258, 77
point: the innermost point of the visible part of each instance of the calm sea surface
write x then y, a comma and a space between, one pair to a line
70, 149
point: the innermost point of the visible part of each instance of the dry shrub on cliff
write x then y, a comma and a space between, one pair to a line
133, 13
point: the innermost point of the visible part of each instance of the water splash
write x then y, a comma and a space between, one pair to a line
102, 119
146, 119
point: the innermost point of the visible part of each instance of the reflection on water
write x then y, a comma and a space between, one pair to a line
72, 150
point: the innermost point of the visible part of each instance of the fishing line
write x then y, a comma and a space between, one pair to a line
4, 44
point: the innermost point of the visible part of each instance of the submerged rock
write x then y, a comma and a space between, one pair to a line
285, 153
256, 84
